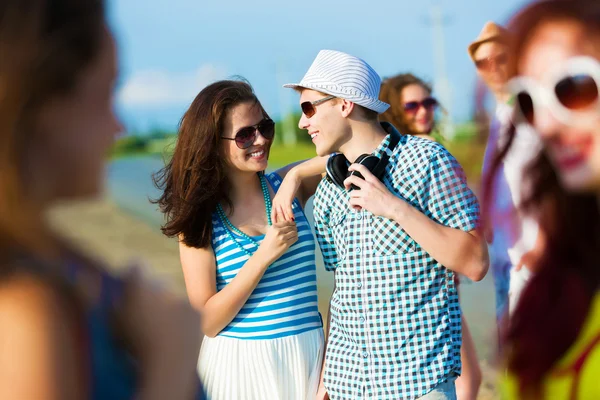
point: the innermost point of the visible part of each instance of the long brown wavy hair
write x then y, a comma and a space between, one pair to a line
45, 45
391, 93
194, 180
555, 304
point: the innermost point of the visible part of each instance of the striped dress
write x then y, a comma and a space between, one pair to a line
273, 348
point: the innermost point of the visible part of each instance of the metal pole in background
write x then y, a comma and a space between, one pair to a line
442, 84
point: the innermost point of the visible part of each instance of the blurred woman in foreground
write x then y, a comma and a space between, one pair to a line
69, 329
553, 341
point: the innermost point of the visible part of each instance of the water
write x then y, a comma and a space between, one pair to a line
130, 186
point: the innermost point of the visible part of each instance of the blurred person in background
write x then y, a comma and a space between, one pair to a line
250, 270
412, 110
553, 339
412, 106
70, 330
512, 235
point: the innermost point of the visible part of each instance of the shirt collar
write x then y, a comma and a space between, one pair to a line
384, 146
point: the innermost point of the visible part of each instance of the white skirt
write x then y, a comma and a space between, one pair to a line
286, 368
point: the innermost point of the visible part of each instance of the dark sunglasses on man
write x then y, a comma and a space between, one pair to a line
309, 107
245, 137
487, 63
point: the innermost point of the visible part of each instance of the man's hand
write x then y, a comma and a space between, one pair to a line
282, 202
372, 196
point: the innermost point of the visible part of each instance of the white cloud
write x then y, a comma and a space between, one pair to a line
159, 87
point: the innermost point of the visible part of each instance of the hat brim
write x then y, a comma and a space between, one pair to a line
475, 45
370, 103
293, 86
502, 36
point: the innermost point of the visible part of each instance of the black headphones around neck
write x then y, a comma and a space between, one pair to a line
337, 165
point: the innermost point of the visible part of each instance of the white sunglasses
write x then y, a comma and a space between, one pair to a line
570, 93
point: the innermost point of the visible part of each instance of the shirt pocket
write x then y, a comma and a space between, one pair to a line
390, 238
337, 225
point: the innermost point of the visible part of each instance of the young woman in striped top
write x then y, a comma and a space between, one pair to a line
249, 270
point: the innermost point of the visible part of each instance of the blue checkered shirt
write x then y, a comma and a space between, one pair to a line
395, 328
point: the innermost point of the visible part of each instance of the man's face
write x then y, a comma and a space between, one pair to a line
326, 126
491, 60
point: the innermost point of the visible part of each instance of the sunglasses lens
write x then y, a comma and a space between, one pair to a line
526, 106
577, 92
483, 64
245, 137
411, 106
502, 59
267, 129
308, 109
430, 103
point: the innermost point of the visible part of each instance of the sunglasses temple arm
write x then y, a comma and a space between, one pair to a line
443, 109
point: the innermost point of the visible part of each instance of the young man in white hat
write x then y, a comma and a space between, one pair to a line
514, 236
395, 320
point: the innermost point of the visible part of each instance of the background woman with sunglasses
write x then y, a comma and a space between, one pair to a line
412, 108
249, 270
553, 339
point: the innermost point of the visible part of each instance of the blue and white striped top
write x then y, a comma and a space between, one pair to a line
285, 301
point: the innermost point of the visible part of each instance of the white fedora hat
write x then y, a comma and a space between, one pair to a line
344, 76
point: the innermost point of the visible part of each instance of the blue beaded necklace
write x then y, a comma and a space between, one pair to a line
229, 227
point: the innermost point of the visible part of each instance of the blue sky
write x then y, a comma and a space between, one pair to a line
170, 49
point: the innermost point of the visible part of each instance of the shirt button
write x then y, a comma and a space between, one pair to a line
359, 216
358, 250
362, 319
365, 354
359, 284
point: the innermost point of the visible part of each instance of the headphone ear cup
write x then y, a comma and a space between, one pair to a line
337, 169
374, 164
369, 161
379, 169
361, 158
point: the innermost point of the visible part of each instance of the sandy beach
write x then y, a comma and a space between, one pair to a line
119, 239
115, 237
